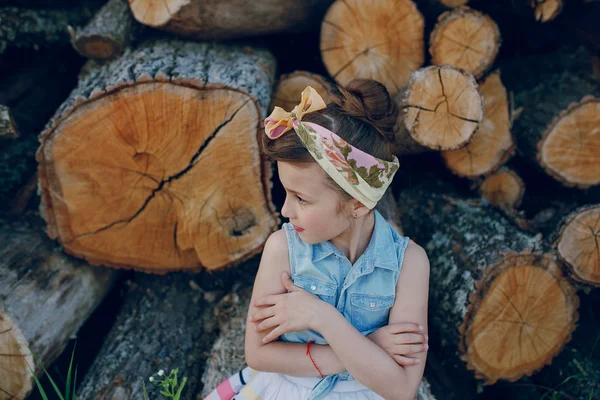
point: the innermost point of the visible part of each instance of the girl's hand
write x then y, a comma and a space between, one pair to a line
400, 340
287, 312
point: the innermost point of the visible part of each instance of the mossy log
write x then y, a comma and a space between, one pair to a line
34, 28
484, 272
133, 164
45, 297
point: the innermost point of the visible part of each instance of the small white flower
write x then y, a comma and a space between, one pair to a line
151, 379
161, 372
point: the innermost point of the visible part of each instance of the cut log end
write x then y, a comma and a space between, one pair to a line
492, 145
290, 87
577, 244
465, 38
380, 40
443, 107
521, 315
568, 149
155, 13
546, 10
15, 360
98, 47
146, 192
503, 189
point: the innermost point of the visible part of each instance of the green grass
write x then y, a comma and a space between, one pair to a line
170, 387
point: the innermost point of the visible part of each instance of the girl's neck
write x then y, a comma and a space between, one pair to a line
354, 241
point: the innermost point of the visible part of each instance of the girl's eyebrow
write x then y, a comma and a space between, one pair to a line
302, 194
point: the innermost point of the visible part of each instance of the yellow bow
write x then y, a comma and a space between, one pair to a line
281, 121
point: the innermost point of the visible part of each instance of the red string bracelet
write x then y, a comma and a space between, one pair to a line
311, 359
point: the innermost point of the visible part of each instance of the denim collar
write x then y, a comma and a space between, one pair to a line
380, 252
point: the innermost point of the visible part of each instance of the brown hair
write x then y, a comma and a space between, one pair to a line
362, 113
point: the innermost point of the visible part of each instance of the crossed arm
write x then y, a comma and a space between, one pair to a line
365, 360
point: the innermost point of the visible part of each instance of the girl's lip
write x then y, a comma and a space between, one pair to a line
297, 228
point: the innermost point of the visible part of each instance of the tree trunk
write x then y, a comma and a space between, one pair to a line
381, 40
557, 127
36, 28
200, 19
133, 163
45, 297
483, 274
492, 144
107, 34
465, 38
165, 323
443, 107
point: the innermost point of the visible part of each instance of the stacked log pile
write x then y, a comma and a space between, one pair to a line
131, 128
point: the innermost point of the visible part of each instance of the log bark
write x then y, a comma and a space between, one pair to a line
465, 38
442, 107
107, 34
45, 297
36, 27
492, 144
380, 40
160, 130
7, 124
560, 115
198, 19
483, 271
165, 323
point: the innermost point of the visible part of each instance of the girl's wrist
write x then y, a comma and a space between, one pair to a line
321, 314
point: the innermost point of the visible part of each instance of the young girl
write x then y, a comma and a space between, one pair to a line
337, 275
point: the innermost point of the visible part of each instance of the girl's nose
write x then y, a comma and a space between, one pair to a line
285, 208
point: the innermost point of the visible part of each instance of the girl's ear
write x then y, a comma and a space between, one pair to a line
360, 209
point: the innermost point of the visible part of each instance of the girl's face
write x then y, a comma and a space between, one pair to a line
311, 205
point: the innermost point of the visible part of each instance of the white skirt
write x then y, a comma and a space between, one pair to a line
273, 385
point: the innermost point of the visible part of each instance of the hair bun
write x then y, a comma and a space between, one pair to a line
369, 101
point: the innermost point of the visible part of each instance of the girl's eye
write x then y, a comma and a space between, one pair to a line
301, 200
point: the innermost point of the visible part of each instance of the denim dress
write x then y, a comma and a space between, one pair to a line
363, 293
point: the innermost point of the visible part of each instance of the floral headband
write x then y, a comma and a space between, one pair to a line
360, 174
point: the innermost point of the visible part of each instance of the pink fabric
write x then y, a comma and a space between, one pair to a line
362, 158
225, 391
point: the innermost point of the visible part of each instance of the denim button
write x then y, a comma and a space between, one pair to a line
372, 304
313, 287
